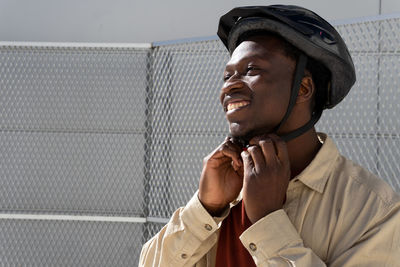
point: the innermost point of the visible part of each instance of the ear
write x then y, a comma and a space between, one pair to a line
306, 90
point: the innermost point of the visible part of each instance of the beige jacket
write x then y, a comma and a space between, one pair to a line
336, 214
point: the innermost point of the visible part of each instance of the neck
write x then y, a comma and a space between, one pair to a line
302, 151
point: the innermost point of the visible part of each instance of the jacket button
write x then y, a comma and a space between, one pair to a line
208, 227
253, 246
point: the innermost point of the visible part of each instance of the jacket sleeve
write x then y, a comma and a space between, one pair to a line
274, 241
188, 236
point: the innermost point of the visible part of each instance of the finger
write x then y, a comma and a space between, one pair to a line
268, 150
240, 171
255, 140
237, 141
233, 145
257, 157
228, 150
237, 161
227, 144
235, 166
248, 164
281, 149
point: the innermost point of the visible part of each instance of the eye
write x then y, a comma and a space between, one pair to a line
226, 77
251, 70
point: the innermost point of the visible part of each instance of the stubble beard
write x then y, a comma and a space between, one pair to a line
243, 140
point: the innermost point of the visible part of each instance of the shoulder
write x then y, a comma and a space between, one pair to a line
361, 199
362, 182
364, 211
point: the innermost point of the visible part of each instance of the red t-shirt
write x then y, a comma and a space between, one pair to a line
230, 251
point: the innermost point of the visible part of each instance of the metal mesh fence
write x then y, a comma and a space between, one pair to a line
123, 131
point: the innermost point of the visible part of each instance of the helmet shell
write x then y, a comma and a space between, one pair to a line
302, 28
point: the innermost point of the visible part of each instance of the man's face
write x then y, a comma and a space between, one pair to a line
256, 91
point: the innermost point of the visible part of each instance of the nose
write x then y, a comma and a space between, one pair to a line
234, 83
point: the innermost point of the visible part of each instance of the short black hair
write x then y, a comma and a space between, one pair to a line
320, 74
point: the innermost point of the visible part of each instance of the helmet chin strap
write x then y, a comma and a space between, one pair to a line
299, 74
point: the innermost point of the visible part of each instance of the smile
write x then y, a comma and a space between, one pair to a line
236, 105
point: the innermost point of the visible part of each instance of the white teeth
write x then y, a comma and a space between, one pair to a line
236, 105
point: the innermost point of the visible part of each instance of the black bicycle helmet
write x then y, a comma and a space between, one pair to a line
309, 33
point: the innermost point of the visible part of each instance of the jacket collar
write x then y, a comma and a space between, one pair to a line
316, 174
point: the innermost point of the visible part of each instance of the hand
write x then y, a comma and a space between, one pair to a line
222, 177
266, 176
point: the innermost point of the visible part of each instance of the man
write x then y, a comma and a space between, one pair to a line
276, 193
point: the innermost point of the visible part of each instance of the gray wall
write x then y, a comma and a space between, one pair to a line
146, 21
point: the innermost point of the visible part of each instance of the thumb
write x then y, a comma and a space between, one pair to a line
248, 163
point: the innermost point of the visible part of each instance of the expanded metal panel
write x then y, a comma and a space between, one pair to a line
369, 113
54, 243
72, 129
359, 106
71, 172
187, 120
118, 131
72, 135
72, 89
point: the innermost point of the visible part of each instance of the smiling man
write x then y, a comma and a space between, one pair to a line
275, 192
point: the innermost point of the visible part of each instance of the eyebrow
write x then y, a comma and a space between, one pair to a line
245, 59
